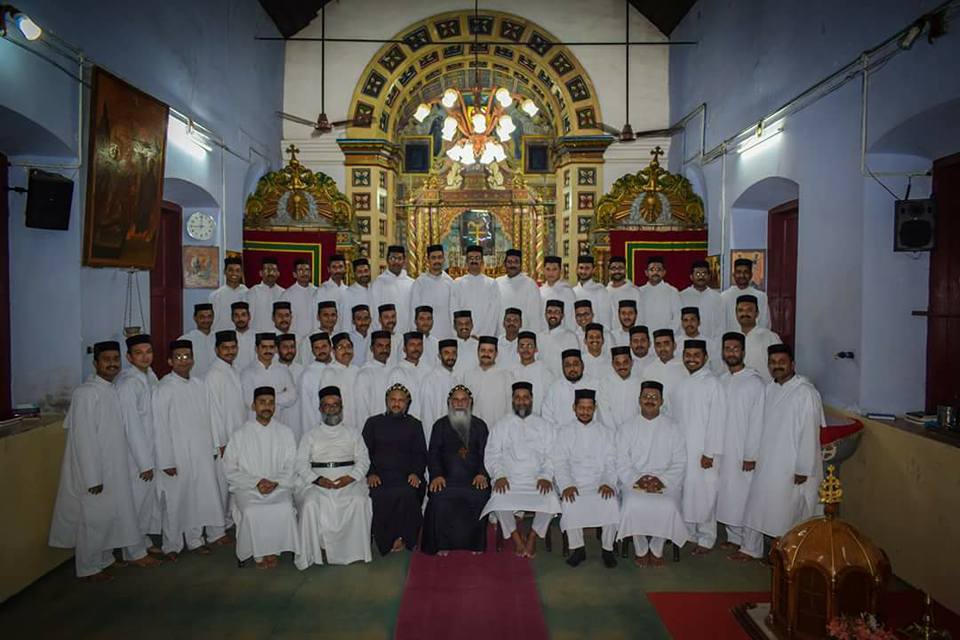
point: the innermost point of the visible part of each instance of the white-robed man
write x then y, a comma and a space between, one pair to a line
302, 296
434, 288
557, 338
437, 385
621, 290
372, 377
268, 371
233, 290
358, 293
360, 333
394, 286
411, 371
340, 373
585, 464
625, 319
466, 341
789, 465
618, 390
521, 470
532, 370
489, 382
327, 322
287, 357
331, 290
136, 385
758, 339
744, 391
660, 299
95, 511
310, 380
556, 287
246, 343
706, 300
332, 495
387, 313
186, 454
690, 324
260, 464
560, 396
262, 296
651, 459
666, 369
640, 348
520, 291
478, 293
282, 318
742, 275
423, 322
583, 314
589, 289
202, 338
596, 351
507, 349
700, 409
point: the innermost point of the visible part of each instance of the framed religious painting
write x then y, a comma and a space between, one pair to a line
759, 257
125, 161
201, 267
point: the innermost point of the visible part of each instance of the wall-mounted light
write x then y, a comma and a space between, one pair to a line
761, 133
187, 138
30, 29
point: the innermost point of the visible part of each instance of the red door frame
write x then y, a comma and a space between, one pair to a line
166, 287
781, 276
6, 372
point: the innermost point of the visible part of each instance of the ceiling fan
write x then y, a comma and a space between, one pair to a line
323, 124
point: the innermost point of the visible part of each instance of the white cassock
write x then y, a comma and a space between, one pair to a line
303, 306
755, 350
626, 291
355, 295
522, 292
304, 349
710, 305
97, 453
411, 376
311, 381
621, 336
640, 364
136, 390
670, 374
333, 375
191, 499
330, 290
291, 415
435, 292
729, 300
700, 411
585, 457
597, 366
714, 351
599, 299
260, 297
492, 392
789, 445
246, 349
391, 289
397, 352
519, 449
228, 412
551, 345
660, 308
431, 351
651, 448
467, 357
278, 376
481, 295
618, 399
333, 520
608, 339
221, 299
266, 524
558, 402
507, 355
559, 290
741, 441
372, 390
436, 388
539, 375
204, 350
361, 347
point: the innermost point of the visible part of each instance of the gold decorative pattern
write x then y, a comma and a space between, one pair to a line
830, 490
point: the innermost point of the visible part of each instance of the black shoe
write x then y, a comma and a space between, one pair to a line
576, 557
609, 559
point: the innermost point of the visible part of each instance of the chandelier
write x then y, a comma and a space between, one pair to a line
478, 129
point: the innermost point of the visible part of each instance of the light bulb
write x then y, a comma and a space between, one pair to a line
479, 123
449, 98
422, 112
466, 155
503, 97
29, 28
449, 128
529, 108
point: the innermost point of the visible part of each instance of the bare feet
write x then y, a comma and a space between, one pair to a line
519, 548
223, 540
642, 561
273, 561
146, 562
203, 550
730, 546
171, 557
700, 551
397, 546
740, 556
530, 548
262, 564
155, 551
101, 576
443, 553
655, 562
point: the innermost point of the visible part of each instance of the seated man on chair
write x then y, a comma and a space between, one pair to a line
651, 460
518, 459
259, 465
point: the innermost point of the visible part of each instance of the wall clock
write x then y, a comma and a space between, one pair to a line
201, 226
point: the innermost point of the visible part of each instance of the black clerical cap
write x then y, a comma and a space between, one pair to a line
268, 260
424, 308
474, 248
655, 259
640, 328
695, 344
527, 334
396, 248
380, 334
233, 260
462, 313
517, 386
735, 335
326, 304
268, 336
694, 310
662, 333
593, 326
780, 348
447, 342
412, 335
555, 303
106, 345
570, 353
263, 391
227, 335
585, 259
359, 307
580, 304
386, 307
615, 259
651, 384
240, 304
584, 394
330, 390
512, 311
434, 247
699, 264
319, 336
287, 337
181, 344
748, 297
203, 306
337, 257
281, 304
140, 338
488, 340
360, 262
552, 260
743, 262
300, 261
627, 304
619, 351
343, 335
513, 252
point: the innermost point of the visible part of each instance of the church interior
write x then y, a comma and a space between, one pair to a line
141, 146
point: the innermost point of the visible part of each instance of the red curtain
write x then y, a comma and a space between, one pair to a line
287, 246
678, 248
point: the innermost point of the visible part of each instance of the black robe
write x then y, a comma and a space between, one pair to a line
397, 449
452, 520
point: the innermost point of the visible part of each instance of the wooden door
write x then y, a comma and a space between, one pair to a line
782, 269
943, 309
166, 287
6, 379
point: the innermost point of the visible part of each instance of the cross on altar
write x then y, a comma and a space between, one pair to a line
293, 151
656, 153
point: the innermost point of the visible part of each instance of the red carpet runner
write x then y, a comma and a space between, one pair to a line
492, 595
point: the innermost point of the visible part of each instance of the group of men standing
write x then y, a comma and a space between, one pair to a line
307, 422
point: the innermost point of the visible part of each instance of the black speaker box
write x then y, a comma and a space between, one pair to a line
915, 224
49, 196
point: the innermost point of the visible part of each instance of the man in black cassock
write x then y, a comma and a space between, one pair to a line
398, 459
459, 486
